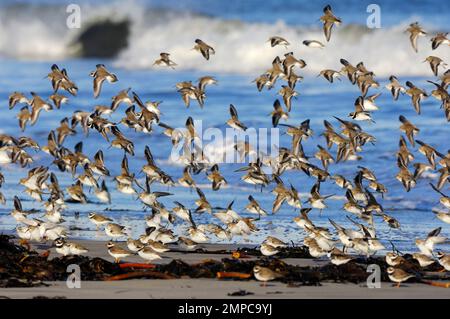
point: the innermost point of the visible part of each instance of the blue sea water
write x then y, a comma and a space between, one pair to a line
238, 30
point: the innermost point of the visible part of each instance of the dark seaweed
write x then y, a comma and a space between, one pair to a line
22, 268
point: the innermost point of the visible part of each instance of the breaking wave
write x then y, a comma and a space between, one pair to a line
40, 33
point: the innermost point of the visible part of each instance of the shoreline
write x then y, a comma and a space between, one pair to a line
205, 288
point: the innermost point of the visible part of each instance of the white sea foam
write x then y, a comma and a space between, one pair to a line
241, 47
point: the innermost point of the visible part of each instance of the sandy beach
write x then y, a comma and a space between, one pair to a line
187, 288
219, 289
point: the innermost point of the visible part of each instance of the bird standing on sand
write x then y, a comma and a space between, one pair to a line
117, 252
444, 260
398, 275
337, 257
68, 248
114, 230
275, 242
423, 260
268, 250
265, 274
148, 253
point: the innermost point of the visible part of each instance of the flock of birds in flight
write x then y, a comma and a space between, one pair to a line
349, 140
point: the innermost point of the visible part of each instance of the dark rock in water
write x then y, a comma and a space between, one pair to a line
104, 39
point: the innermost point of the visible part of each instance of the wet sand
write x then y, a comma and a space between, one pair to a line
213, 288
99, 249
219, 289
